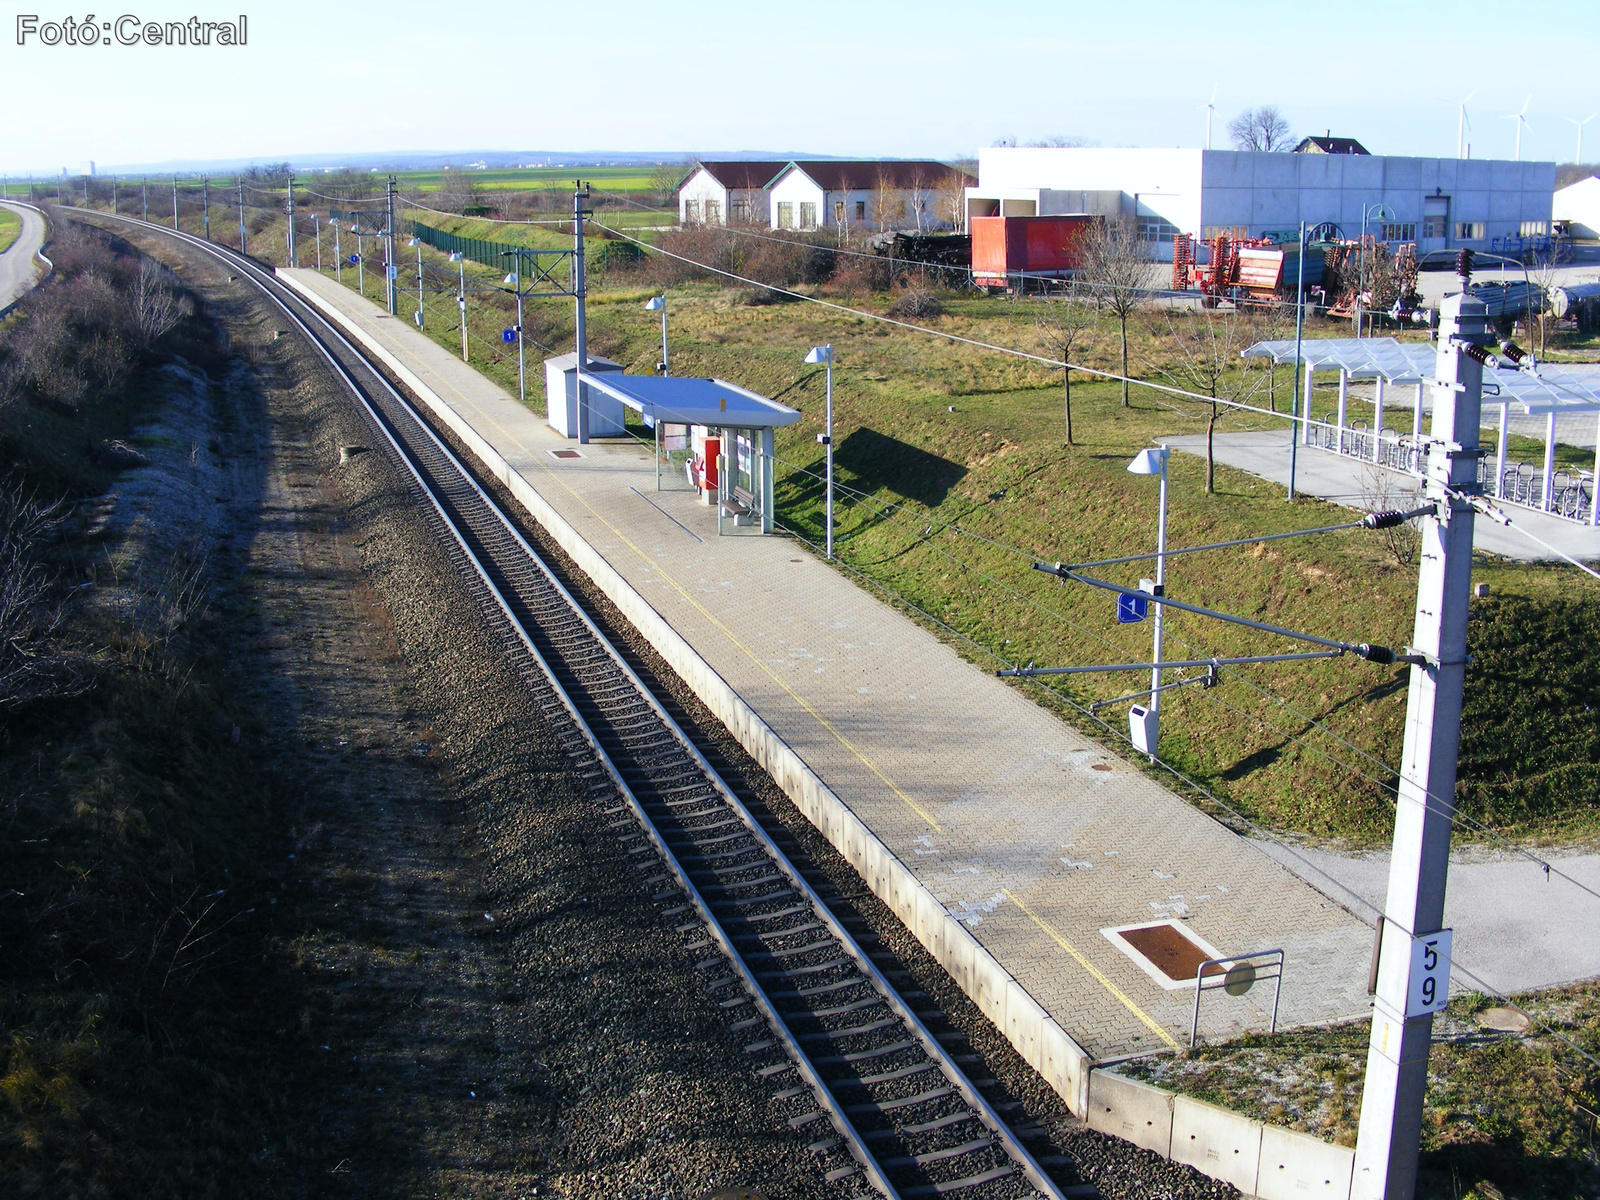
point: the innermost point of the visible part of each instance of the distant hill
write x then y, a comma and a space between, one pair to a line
433, 160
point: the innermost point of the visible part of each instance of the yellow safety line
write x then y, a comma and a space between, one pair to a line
662, 572
746, 651
1098, 975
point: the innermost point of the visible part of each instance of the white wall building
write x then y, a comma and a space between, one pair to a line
866, 195
1438, 203
1579, 204
716, 193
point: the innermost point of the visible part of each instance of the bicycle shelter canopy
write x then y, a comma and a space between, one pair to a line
1555, 390
744, 419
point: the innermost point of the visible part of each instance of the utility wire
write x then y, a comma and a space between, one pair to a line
1430, 801
1052, 363
1266, 834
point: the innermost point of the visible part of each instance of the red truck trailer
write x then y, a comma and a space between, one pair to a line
1009, 250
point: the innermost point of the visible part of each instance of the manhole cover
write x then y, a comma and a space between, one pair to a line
1502, 1020
1170, 953
566, 454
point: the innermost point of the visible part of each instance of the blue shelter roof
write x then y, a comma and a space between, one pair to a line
686, 400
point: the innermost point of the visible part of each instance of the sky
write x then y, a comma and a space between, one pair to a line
865, 79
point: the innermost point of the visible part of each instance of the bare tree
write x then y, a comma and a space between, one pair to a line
1263, 128
35, 663
1062, 322
887, 205
1117, 275
664, 181
1544, 273
459, 191
1203, 347
159, 305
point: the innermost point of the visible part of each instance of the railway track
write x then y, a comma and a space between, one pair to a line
847, 1054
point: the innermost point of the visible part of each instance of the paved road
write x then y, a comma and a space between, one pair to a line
18, 269
1516, 928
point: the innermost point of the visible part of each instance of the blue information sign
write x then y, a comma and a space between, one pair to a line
1131, 609
508, 335
354, 259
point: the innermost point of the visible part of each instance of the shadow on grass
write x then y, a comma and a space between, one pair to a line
877, 460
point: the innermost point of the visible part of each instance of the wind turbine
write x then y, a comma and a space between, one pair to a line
1211, 108
1522, 122
1462, 125
1580, 125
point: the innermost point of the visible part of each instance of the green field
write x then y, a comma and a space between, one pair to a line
626, 180
10, 228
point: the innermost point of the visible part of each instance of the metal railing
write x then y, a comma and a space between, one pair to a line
1236, 975
1572, 493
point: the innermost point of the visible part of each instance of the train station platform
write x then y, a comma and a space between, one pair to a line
1012, 846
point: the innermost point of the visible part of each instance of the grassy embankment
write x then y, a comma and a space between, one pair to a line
998, 468
10, 228
1506, 1115
948, 509
138, 1053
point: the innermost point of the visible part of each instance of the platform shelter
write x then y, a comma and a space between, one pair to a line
717, 433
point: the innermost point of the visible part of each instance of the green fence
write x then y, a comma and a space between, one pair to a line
599, 254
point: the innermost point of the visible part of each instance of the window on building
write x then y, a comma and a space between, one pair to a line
861, 210
838, 212
808, 215
1402, 231
739, 210
1156, 229
691, 212
1469, 231
1433, 227
713, 212
1532, 229
785, 214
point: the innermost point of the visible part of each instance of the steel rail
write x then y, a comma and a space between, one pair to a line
836, 1111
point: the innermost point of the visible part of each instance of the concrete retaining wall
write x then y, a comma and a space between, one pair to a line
1220, 1143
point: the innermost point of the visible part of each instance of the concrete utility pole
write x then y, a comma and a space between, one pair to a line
580, 193
1414, 963
144, 199
1299, 329
114, 196
292, 261
205, 203
388, 266
242, 249
174, 201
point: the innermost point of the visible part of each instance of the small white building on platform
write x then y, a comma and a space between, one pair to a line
561, 398
1437, 203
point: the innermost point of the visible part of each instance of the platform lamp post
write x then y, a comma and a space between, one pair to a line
416, 242
515, 278
316, 233
659, 304
361, 262
461, 299
338, 263
1144, 722
824, 354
